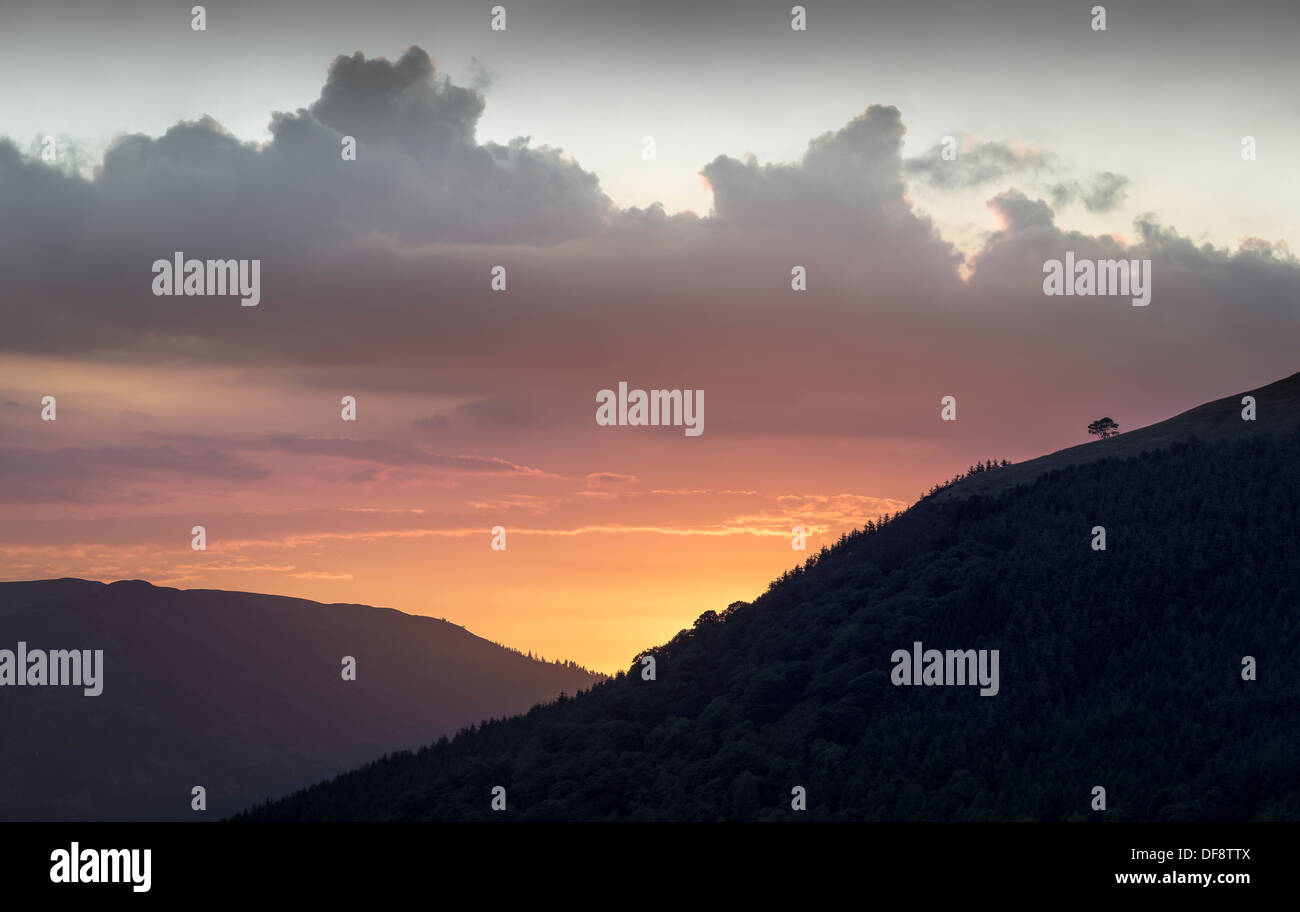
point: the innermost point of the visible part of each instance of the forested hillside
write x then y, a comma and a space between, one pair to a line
1120, 668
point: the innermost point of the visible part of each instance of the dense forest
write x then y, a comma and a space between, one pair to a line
1120, 668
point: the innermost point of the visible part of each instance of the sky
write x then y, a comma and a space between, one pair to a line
526, 149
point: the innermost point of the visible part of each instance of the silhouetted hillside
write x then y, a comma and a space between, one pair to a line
236, 692
1277, 412
1119, 668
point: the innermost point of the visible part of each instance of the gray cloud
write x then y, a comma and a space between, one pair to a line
989, 162
1102, 192
1020, 212
375, 276
855, 169
419, 176
982, 163
848, 186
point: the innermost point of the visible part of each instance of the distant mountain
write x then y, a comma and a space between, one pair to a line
240, 693
1122, 669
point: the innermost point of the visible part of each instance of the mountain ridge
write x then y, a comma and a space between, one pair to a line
1122, 669
241, 693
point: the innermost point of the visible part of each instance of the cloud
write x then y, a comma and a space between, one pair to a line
1018, 212
609, 481
977, 163
173, 463
851, 176
1231, 307
419, 175
846, 196
381, 452
1101, 193
95, 474
855, 168
505, 411
376, 277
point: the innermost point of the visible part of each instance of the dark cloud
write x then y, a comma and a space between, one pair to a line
403, 103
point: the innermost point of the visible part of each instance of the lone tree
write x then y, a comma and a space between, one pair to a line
1103, 428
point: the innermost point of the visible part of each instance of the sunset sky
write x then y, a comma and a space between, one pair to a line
524, 149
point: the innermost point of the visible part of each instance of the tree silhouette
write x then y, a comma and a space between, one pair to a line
1103, 428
